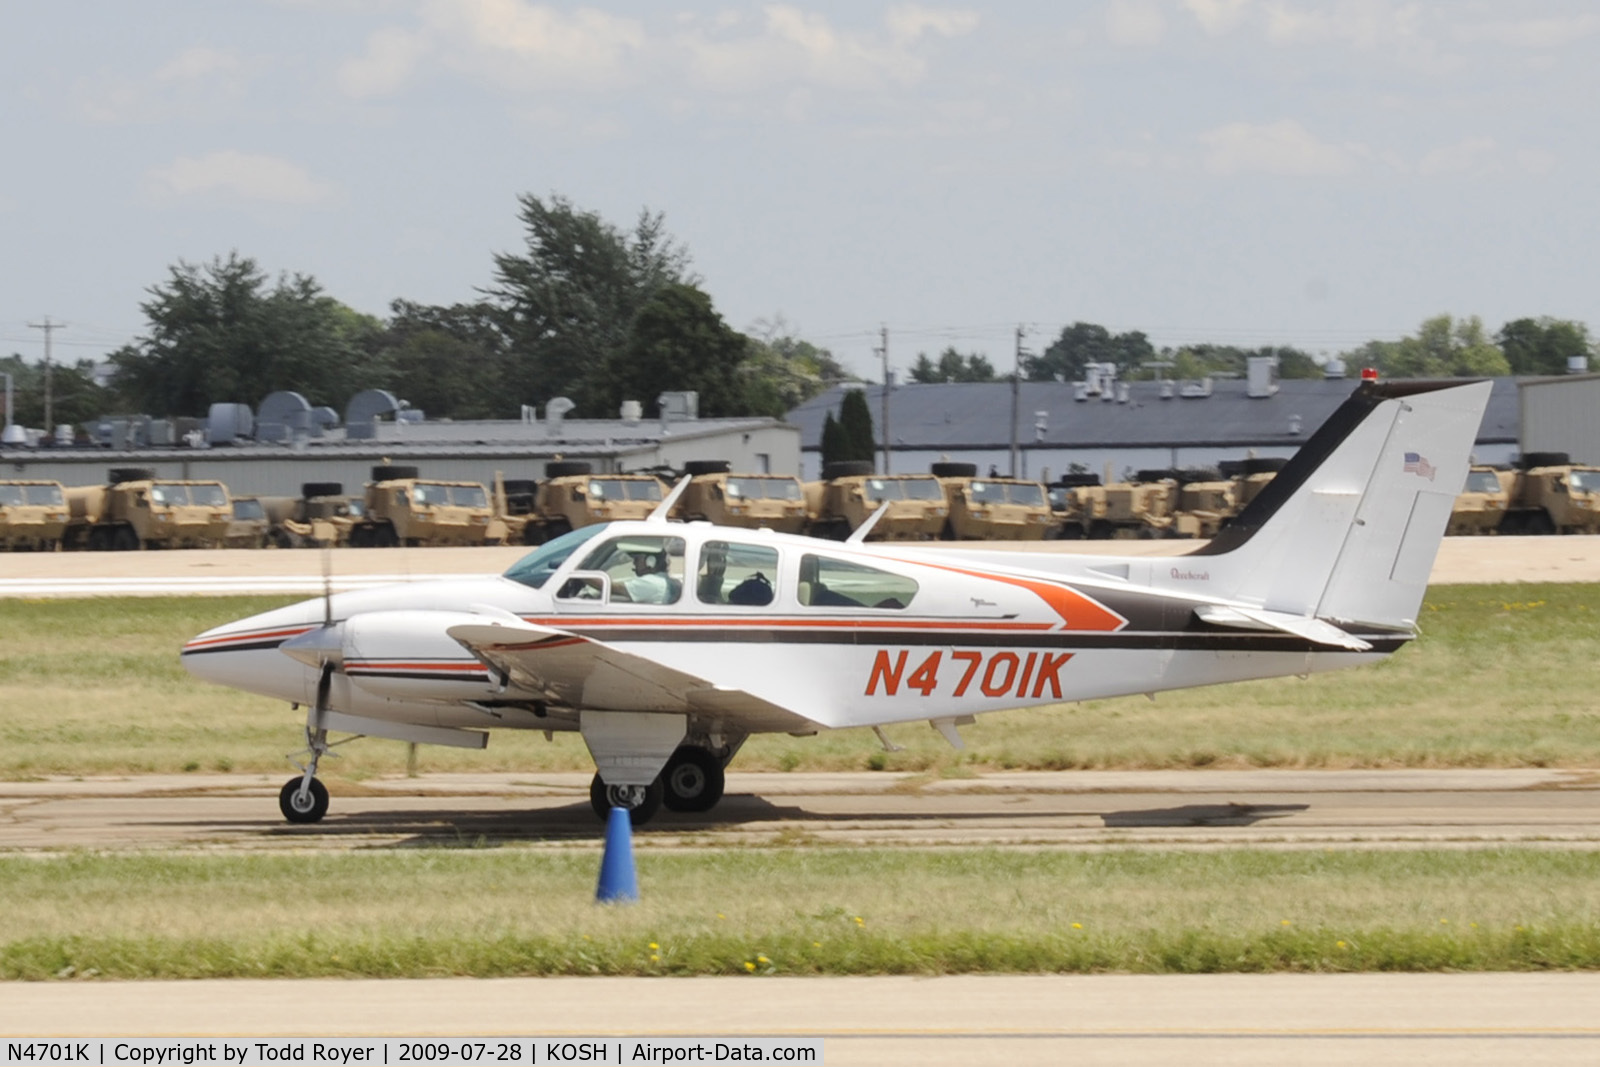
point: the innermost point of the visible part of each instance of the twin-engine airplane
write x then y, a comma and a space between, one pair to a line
666, 645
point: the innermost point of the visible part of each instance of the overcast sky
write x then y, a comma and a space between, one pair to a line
1306, 172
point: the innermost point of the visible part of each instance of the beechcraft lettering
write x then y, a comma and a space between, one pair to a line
666, 645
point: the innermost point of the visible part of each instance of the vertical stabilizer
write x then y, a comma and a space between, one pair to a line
1348, 530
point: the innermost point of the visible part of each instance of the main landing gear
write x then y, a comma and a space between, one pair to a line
692, 780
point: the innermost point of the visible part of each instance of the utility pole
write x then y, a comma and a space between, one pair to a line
883, 406
49, 328
1016, 402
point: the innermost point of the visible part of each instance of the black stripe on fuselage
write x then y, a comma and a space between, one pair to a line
254, 646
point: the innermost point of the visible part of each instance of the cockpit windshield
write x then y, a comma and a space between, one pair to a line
1482, 482
1584, 481
534, 569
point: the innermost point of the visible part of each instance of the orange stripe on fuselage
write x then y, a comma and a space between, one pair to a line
568, 622
1078, 611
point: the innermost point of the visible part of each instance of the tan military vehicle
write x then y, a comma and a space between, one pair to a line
33, 515
572, 496
1481, 505
321, 517
138, 510
1553, 495
1206, 501
756, 501
251, 526
850, 492
1076, 501
1250, 475
991, 509
401, 508
1143, 508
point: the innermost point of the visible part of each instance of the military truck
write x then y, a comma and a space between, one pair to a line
321, 517
516, 504
1143, 508
1250, 475
572, 496
1553, 495
251, 526
138, 510
756, 501
991, 509
1481, 505
1076, 501
850, 492
402, 508
33, 515
1206, 501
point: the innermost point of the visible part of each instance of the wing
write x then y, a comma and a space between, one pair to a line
577, 671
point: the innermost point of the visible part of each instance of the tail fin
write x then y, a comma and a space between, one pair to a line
1348, 530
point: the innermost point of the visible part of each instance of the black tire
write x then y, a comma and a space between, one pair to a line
1074, 481
389, 472
567, 468
1531, 460
1167, 475
1264, 464
124, 539
99, 539
1198, 474
848, 468
947, 469
300, 807
520, 486
1231, 468
383, 536
131, 474
1539, 524
692, 780
602, 798
310, 490
1072, 532
1101, 530
706, 466
360, 537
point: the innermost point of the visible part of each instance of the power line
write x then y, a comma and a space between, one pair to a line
49, 328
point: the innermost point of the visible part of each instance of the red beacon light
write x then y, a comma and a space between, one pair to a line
1369, 374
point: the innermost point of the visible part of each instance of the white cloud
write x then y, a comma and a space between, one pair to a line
524, 45
244, 175
908, 22
1134, 23
1367, 24
391, 58
199, 62
1284, 147
1459, 158
1217, 16
1533, 33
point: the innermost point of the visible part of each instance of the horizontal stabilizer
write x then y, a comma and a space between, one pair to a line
1313, 630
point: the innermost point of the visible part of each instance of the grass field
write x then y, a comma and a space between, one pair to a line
1502, 676
508, 912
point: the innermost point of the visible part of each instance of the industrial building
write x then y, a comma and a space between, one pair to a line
1103, 425
1562, 415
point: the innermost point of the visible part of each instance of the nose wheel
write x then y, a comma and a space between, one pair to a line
302, 800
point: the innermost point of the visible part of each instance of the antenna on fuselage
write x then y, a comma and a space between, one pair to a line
660, 513
859, 534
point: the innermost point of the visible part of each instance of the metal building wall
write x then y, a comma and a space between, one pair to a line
1562, 415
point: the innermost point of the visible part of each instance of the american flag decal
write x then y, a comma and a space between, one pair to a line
1415, 464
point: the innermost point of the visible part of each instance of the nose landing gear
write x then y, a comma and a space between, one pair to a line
304, 799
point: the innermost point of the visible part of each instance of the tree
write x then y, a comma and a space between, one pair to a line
75, 398
1442, 348
567, 304
1083, 343
219, 333
784, 371
447, 361
834, 445
855, 420
952, 367
1544, 345
678, 341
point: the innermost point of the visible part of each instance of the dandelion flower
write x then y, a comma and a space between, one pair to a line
1286, 922
1077, 926
762, 959
654, 946
749, 966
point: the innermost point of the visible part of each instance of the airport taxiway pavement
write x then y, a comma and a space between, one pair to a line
1066, 809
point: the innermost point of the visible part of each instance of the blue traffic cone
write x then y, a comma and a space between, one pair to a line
618, 883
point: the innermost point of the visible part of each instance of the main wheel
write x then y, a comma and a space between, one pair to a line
125, 540
303, 805
693, 780
642, 802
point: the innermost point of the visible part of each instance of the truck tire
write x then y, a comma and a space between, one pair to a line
1163, 475
311, 490
1531, 460
130, 474
520, 486
567, 468
705, 466
383, 536
1075, 481
947, 469
1263, 464
392, 473
848, 468
124, 539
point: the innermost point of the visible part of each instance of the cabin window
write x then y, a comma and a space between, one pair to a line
643, 569
828, 582
737, 574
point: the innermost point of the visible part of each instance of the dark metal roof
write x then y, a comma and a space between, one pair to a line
957, 417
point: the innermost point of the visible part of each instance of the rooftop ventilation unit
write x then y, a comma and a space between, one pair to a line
1262, 376
361, 415
1196, 390
282, 416
632, 411
1080, 390
679, 406
555, 412
227, 423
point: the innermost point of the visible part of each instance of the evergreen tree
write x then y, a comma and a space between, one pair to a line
855, 418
